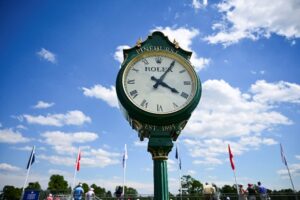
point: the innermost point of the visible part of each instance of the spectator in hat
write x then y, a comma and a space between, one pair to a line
262, 191
242, 193
208, 191
251, 192
78, 192
90, 195
50, 197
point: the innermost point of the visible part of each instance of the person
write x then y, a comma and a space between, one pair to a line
90, 195
262, 191
251, 192
242, 193
50, 197
78, 191
208, 191
217, 193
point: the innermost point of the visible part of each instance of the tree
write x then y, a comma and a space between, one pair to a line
99, 191
129, 192
191, 186
33, 186
227, 189
85, 187
11, 193
57, 183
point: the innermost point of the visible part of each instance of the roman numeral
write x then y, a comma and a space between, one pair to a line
131, 81
186, 82
145, 61
184, 95
133, 93
158, 60
136, 70
175, 105
144, 103
182, 71
159, 108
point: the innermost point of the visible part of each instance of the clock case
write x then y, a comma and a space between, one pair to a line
144, 121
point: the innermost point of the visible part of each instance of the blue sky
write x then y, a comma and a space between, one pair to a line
58, 65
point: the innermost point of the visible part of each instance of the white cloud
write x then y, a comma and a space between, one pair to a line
89, 158
63, 142
224, 111
185, 37
276, 92
47, 55
118, 56
197, 5
225, 116
12, 137
212, 151
8, 167
255, 19
297, 157
25, 148
74, 117
108, 95
42, 105
140, 143
294, 170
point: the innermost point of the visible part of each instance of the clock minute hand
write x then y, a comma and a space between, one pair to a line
164, 85
164, 74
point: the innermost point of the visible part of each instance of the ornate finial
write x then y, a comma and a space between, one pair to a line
139, 42
176, 44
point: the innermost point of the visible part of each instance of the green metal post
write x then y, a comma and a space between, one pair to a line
160, 144
161, 190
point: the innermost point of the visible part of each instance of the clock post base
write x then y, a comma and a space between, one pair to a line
160, 144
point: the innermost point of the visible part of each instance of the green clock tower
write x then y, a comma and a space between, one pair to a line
158, 89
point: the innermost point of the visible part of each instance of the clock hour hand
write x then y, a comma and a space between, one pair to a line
161, 78
164, 84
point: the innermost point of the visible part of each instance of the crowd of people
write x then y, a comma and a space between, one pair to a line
212, 192
78, 194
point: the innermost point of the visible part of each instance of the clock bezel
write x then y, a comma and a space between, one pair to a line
134, 111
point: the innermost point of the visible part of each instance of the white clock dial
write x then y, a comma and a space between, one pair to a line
159, 83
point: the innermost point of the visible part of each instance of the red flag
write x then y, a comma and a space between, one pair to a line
231, 157
78, 160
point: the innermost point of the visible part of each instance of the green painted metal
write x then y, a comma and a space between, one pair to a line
160, 129
155, 42
161, 190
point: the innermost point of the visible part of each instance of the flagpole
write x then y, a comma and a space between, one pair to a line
179, 166
287, 167
75, 171
237, 189
124, 168
28, 170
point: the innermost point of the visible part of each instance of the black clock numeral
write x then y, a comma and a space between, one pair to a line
158, 59
145, 61
133, 93
131, 81
181, 71
136, 70
187, 82
144, 103
184, 95
159, 108
175, 105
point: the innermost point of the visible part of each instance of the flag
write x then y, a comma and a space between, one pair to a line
31, 158
282, 155
178, 158
231, 157
78, 160
125, 156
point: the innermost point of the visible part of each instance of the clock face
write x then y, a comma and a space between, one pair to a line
159, 82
